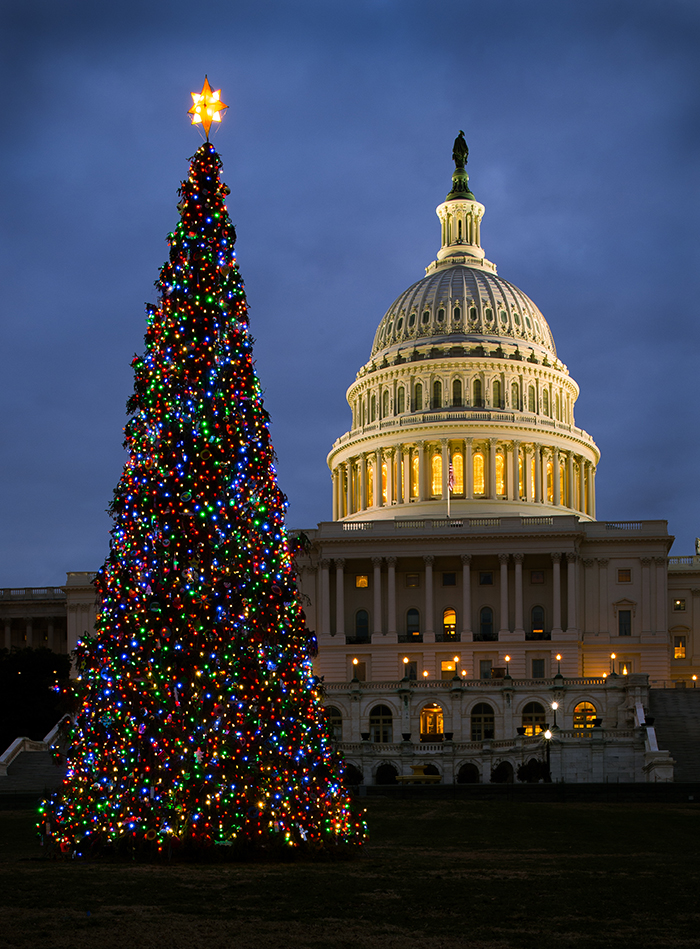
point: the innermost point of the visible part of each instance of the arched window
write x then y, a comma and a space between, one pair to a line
335, 722
521, 477
550, 482
458, 471
472, 314
431, 723
436, 471
457, 314
386, 774
385, 404
418, 397
362, 626
468, 774
483, 722
562, 483
449, 625
545, 402
486, 633
441, 315
426, 316
533, 718
415, 476
514, 396
381, 723
496, 394
413, 624
370, 485
531, 403
537, 622
532, 478
478, 394
385, 482
401, 401
437, 394
412, 319
584, 715
500, 474
479, 479
373, 413
352, 776
456, 392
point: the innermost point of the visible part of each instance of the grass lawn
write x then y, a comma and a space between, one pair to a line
435, 875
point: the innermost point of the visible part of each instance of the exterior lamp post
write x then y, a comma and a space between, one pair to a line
355, 661
612, 663
547, 745
425, 673
558, 663
456, 660
555, 706
695, 679
405, 667
507, 659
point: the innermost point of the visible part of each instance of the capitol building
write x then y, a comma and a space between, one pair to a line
475, 621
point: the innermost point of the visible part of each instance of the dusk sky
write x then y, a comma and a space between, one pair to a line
583, 123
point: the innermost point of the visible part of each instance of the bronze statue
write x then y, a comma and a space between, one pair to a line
460, 151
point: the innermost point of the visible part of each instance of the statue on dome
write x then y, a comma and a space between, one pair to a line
460, 151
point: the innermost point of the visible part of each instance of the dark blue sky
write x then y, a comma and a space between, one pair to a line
583, 121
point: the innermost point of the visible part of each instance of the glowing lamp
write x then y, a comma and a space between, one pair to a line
425, 673
548, 734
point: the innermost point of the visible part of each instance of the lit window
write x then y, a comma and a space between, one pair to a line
537, 619
431, 723
479, 480
562, 483
449, 624
448, 669
500, 474
415, 472
532, 479
679, 606
385, 478
361, 580
436, 467
486, 579
533, 718
584, 715
413, 624
483, 721
550, 483
449, 579
624, 623
458, 472
521, 477
412, 580
679, 647
624, 576
370, 486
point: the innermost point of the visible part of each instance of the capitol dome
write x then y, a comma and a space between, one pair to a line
463, 408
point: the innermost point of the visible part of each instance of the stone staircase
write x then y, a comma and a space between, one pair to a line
29, 768
677, 723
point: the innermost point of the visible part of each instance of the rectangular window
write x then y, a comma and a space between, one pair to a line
679, 647
359, 670
624, 576
537, 576
485, 668
449, 670
449, 579
410, 669
361, 581
538, 668
679, 606
412, 580
486, 579
624, 623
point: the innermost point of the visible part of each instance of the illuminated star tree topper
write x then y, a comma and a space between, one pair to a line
207, 107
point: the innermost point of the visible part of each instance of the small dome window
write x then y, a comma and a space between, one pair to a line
426, 316
537, 327
488, 314
441, 315
412, 319
389, 329
504, 317
516, 317
399, 325
472, 314
528, 323
457, 314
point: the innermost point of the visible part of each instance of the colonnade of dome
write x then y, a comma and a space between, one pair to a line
463, 395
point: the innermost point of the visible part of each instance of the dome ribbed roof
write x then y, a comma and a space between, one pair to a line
461, 304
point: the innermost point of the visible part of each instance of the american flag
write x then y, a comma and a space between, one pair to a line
451, 478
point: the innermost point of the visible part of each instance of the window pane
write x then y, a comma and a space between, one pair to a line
624, 618
538, 668
415, 470
584, 715
418, 397
436, 486
479, 482
500, 474
361, 580
458, 469
679, 647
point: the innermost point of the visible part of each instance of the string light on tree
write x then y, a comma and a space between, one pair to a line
200, 721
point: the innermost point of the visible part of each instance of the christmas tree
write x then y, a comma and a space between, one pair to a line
199, 720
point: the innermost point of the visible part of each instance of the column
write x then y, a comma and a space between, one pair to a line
377, 590
389, 476
429, 631
570, 500
421, 471
8, 635
406, 461
493, 442
363, 481
28, 632
581, 485
391, 596
661, 606
592, 491
556, 596
503, 558
603, 624
339, 597
571, 592
398, 460
555, 477
514, 486
378, 494
519, 628
466, 597
334, 483
646, 595
445, 467
325, 598
50, 635
538, 473
469, 469
527, 480
348, 488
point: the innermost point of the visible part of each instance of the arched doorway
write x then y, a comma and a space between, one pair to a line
386, 774
533, 718
502, 773
431, 723
468, 774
